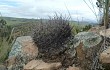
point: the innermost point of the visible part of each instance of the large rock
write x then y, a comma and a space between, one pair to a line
100, 30
24, 45
81, 45
85, 46
89, 39
105, 56
40, 65
96, 29
105, 32
23, 51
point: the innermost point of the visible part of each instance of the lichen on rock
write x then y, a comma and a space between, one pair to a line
23, 50
89, 39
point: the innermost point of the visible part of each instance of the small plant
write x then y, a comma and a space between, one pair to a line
5, 31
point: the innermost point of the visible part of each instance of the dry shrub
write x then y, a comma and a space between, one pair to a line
51, 35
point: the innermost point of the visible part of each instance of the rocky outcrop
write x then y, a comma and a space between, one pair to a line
23, 51
40, 65
87, 45
80, 51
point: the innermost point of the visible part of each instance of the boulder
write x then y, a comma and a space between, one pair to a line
23, 50
96, 29
2, 67
24, 45
89, 39
78, 45
41, 65
105, 33
105, 56
85, 46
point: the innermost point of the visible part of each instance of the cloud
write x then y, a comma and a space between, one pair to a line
44, 8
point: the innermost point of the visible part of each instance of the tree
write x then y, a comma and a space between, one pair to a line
99, 3
104, 4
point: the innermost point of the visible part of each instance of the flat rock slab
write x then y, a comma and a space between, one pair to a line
40, 65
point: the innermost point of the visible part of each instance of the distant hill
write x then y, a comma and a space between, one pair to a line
15, 21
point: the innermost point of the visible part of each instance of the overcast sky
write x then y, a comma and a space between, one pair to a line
44, 8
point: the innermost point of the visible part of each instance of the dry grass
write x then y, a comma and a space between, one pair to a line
4, 50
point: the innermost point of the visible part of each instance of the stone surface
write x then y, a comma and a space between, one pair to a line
10, 61
96, 29
86, 45
73, 68
80, 53
105, 32
105, 56
40, 65
23, 50
24, 45
89, 39
2, 67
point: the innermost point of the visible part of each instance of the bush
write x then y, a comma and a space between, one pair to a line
51, 35
87, 27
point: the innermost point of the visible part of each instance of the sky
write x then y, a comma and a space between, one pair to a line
78, 9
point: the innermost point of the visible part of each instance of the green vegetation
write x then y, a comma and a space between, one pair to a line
4, 50
4, 45
16, 21
80, 27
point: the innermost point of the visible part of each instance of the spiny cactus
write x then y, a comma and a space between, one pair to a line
51, 35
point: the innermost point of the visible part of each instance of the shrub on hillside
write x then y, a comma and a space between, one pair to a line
51, 35
87, 27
